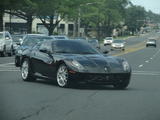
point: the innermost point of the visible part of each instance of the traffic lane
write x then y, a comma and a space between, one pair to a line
151, 64
138, 58
143, 37
132, 42
44, 100
6, 60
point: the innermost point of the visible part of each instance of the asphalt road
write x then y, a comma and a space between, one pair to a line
43, 100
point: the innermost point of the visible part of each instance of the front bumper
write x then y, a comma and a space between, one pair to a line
100, 78
150, 44
107, 42
117, 47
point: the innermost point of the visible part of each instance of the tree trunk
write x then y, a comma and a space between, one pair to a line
51, 26
1, 18
29, 24
50, 30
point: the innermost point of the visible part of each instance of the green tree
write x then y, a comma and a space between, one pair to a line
105, 15
135, 18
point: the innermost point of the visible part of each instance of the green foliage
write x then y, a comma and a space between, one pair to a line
135, 17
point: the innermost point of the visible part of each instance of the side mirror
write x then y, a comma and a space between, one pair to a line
43, 50
106, 52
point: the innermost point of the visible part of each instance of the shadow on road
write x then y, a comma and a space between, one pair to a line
80, 86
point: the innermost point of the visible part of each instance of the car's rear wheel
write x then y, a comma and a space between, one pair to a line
26, 73
4, 52
11, 52
122, 84
63, 79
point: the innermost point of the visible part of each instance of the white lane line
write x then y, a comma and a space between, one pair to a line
6, 64
9, 70
153, 74
156, 54
147, 61
140, 66
146, 73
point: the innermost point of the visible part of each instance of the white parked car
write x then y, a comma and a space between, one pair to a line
6, 44
118, 44
108, 41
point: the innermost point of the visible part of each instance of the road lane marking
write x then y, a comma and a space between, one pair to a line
6, 64
147, 61
10, 70
140, 66
146, 73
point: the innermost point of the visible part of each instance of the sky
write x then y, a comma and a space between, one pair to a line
153, 5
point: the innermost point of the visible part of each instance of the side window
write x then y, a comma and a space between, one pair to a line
46, 46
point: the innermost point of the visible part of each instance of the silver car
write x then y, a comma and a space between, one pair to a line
6, 44
151, 42
118, 44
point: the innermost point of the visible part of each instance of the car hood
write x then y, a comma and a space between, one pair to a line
96, 63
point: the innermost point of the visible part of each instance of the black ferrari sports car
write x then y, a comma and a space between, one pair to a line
72, 61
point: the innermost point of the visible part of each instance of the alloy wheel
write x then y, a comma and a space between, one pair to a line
62, 76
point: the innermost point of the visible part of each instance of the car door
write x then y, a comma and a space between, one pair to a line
8, 41
43, 61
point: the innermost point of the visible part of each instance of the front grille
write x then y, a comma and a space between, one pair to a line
102, 78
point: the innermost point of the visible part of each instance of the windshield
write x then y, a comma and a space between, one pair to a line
32, 40
93, 41
118, 41
17, 38
151, 40
74, 47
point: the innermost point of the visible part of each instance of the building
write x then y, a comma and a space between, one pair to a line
15, 24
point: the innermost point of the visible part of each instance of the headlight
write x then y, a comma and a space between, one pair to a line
113, 45
19, 51
77, 65
126, 66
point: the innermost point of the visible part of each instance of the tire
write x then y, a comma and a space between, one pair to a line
63, 79
26, 72
11, 52
3, 52
123, 84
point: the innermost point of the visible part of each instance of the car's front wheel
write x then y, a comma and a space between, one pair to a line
122, 84
63, 79
26, 73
